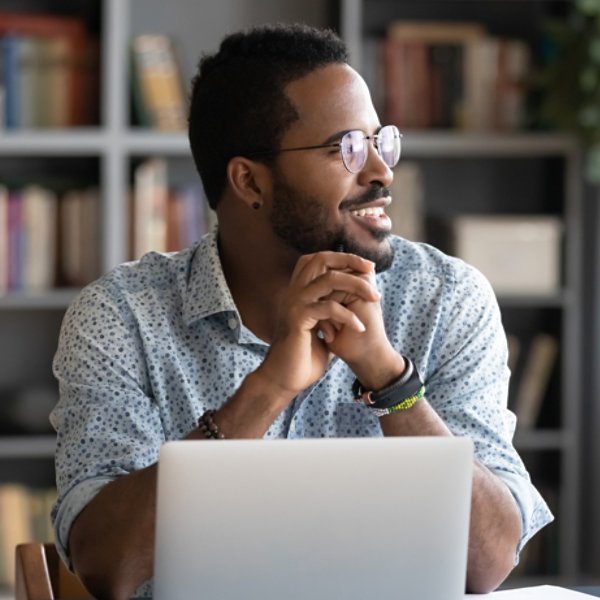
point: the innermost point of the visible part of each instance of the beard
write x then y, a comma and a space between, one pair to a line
301, 221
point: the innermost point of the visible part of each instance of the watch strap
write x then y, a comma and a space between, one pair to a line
406, 386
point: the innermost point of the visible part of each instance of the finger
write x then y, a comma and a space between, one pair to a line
334, 312
343, 285
311, 266
328, 331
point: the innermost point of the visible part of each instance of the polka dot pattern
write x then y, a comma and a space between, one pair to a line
146, 349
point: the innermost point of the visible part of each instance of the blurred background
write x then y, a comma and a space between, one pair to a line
499, 105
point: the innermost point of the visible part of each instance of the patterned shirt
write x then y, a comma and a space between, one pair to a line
146, 349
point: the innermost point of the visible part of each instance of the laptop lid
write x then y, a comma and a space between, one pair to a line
313, 519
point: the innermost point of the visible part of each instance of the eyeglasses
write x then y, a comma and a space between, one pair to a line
355, 150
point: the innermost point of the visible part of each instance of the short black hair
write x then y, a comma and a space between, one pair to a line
238, 105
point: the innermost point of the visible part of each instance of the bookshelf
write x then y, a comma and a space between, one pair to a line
446, 159
558, 434
495, 173
106, 153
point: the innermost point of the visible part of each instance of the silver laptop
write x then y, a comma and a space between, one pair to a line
313, 519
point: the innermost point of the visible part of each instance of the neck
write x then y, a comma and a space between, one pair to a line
257, 268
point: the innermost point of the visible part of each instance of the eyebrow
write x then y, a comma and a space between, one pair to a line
340, 134
337, 136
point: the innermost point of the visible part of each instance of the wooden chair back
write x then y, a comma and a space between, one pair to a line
41, 575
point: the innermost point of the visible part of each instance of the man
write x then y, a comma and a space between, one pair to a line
277, 324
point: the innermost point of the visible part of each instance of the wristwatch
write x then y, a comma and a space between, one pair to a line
407, 388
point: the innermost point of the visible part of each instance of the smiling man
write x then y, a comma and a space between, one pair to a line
300, 316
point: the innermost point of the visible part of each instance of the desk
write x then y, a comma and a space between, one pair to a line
591, 590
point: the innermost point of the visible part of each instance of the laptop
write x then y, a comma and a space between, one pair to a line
317, 519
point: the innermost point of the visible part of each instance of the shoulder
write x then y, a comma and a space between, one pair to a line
431, 271
154, 271
137, 285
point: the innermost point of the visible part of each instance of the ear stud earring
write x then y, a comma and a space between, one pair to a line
256, 205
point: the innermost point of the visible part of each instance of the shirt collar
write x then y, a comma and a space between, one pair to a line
206, 291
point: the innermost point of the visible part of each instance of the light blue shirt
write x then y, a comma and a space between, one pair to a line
146, 349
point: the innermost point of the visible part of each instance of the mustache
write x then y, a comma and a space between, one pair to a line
374, 193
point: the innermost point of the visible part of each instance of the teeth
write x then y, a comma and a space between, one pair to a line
375, 211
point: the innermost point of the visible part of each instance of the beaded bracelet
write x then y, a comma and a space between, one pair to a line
208, 427
404, 405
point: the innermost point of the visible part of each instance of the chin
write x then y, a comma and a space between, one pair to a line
381, 253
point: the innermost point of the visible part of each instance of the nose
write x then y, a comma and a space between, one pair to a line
375, 169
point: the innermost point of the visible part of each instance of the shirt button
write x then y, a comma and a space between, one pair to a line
232, 323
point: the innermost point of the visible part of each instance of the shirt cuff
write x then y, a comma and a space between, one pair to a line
535, 513
68, 508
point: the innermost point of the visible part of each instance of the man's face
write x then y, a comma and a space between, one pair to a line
318, 204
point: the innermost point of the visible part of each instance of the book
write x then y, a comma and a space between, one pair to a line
16, 241
66, 55
39, 214
157, 83
435, 32
3, 239
406, 209
539, 362
423, 64
447, 102
15, 528
194, 213
175, 219
28, 82
55, 77
24, 517
2, 98
150, 198
78, 237
481, 73
514, 66
497, 72
454, 75
90, 268
396, 82
514, 350
9, 47
71, 239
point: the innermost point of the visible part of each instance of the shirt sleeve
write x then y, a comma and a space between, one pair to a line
469, 388
106, 420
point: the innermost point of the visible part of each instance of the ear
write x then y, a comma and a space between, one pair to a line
250, 181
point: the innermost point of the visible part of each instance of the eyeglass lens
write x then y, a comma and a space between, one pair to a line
354, 147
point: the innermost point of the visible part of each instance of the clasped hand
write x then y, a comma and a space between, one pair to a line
330, 307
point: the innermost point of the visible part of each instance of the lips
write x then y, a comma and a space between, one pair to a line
371, 211
373, 215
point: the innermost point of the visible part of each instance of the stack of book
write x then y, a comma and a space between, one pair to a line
165, 218
532, 363
47, 239
24, 517
449, 75
407, 210
49, 75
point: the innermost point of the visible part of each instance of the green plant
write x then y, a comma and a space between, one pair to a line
570, 79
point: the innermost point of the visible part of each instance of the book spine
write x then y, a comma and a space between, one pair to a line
10, 45
16, 241
3, 239
39, 223
150, 207
158, 85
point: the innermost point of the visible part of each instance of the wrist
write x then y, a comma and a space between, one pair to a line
402, 394
249, 412
379, 373
261, 382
